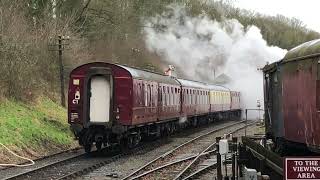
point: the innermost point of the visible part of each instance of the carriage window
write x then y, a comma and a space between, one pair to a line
150, 95
171, 96
202, 97
160, 95
139, 94
163, 96
187, 97
192, 97
145, 95
164, 92
207, 97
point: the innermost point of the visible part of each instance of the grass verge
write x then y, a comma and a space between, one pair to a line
33, 130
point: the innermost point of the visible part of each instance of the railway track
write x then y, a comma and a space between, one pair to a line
76, 165
81, 164
38, 160
9, 172
184, 161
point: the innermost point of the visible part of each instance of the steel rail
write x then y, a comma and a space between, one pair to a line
19, 175
212, 166
78, 172
175, 149
193, 162
45, 157
88, 169
173, 163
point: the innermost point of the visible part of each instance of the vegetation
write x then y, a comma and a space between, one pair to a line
276, 30
34, 124
38, 128
101, 30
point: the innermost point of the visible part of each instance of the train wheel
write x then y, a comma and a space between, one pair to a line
87, 148
126, 144
99, 145
280, 147
195, 122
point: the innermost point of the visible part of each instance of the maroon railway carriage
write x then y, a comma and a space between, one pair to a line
195, 98
114, 98
292, 99
111, 103
235, 100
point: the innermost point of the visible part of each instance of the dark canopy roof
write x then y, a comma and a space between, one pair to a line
304, 50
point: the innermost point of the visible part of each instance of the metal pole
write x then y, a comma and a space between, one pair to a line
233, 177
225, 167
258, 104
219, 173
63, 102
234, 149
245, 128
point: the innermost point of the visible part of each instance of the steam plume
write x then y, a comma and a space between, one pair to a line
199, 46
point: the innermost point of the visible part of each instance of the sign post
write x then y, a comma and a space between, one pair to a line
302, 168
59, 45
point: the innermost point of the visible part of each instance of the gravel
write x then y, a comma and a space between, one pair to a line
9, 172
124, 166
251, 130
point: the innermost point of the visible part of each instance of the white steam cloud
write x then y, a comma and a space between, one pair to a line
198, 46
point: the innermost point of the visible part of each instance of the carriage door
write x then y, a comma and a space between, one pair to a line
100, 99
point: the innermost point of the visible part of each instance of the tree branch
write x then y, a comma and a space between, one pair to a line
82, 11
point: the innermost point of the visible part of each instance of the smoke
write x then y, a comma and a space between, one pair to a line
200, 47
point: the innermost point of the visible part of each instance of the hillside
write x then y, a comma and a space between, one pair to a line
33, 130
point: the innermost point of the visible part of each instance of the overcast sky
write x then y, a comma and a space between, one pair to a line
305, 10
